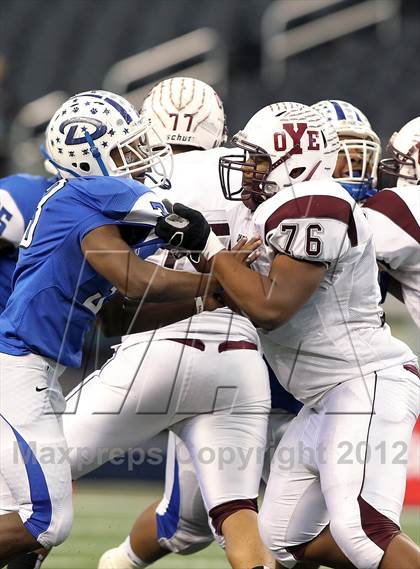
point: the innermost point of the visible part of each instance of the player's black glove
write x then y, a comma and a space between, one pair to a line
186, 229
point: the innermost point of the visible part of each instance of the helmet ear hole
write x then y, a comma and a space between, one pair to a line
296, 172
85, 166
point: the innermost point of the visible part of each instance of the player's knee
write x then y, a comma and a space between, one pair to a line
363, 535
273, 534
220, 513
64, 529
186, 540
186, 544
270, 529
59, 529
182, 536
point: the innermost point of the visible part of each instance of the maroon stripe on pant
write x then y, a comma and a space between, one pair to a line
413, 368
239, 345
377, 527
192, 342
223, 347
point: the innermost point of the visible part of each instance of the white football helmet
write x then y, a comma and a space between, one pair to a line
85, 130
294, 141
404, 146
186, 112
356, 138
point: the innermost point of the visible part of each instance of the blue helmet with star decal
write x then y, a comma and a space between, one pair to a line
98, 133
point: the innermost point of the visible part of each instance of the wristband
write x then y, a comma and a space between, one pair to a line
199, 304
213, 246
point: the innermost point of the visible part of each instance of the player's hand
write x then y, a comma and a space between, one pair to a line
246, 251
184, 229
213, 302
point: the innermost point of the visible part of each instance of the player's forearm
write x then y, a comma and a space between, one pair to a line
142, 317
110, 256
166, 285
250, 291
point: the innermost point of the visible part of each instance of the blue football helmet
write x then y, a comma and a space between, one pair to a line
98, 133
360, 148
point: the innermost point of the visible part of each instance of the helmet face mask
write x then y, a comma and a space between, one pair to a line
283, 144
141, 155
254, 165
98, 133
404, 147
360, 148
356, 165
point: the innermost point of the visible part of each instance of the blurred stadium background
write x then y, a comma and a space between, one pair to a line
253, 52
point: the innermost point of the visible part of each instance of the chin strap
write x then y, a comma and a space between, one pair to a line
96, 154
165, 184
57, 166
360, 190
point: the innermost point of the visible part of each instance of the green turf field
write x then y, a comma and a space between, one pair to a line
103, 517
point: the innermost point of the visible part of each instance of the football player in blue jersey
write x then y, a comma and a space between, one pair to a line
72, 258
360, 148
358, 159
19, 195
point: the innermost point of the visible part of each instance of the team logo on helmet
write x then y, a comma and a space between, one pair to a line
281, 143
100, 130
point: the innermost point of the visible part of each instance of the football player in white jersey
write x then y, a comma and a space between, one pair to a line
356, 171
179, 523
315, 299
203, 378
394, 216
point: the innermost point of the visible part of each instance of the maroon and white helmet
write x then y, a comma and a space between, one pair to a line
297, 141
404, 147
186, 112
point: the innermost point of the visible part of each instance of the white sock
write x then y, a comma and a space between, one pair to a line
126, 545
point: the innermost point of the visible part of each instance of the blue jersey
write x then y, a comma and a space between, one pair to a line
19, 195
56, 293
280, 398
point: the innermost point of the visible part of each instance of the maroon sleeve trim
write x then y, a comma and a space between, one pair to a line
315, 206
220, 229
394, 207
